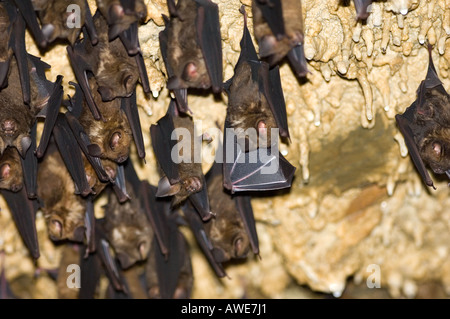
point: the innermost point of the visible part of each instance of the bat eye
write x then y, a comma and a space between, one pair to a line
190, 72
5, 171
115, 139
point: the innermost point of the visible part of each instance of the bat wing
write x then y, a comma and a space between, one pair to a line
89, 223
202, 238
90, 268
297, 60
404, 124
163, 144
153, 209
210, 41
89, 25
23, 211
180, 94
169, 269
244, 207
257, 170
29, 166
271, 86
18, 46
80, 67
119, 185
71, 155
273, 14
201, 202
51, 114
27, 10
129, 106
361, 8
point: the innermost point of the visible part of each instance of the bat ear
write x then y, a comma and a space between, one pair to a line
190, 72
166, 189
5, 171
48, 30
240, 245
94, 150
115, 140
55, 228
267, 46
129, 83
143, 249
110, 171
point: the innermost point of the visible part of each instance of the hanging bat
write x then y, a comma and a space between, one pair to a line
425, 126
28, 13
170, 276
115, 71
121, 14
184, 179
110, 138
255, 98
127, 229
232, 231
63, 210
279, 30
191, 47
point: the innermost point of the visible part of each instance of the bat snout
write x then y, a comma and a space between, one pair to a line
106, 93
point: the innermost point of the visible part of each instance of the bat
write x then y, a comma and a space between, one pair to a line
184, 179
11, 176
25, 7
64, 19
256, 107
278, 27
110, 138
191, 47
121, 14
63, 210
232, 231
256, 99
170, 276
361, 7
115, 72
127, 229
425, 126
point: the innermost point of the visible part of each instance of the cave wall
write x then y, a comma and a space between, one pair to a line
356, 199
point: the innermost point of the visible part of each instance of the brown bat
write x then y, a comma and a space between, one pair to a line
94, 182
227, 230
64, 211
191, 45
127, 229
425, 125
120, 14
115, 71
183, 177
279, 29
110, 137
11, 176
